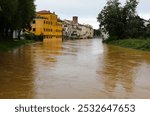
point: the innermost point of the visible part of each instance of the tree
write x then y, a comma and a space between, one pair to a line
147, 33
24, 15
121, 21
135, 27
15, 15
110, 19
97, 32
134, 24
8, 10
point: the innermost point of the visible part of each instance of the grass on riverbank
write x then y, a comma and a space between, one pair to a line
9, 45
141, 44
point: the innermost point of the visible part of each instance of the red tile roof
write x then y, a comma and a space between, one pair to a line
44, 12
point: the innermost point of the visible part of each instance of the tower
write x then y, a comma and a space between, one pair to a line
75, 19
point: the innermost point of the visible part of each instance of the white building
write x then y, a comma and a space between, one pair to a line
16, 34
72, 29
146, 22
86, 31
67, 28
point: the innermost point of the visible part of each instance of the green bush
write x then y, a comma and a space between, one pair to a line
142, 44
29, 36
9, 45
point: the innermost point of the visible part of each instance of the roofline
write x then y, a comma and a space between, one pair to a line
45, 12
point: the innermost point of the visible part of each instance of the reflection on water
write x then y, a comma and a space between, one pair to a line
74, 69
16, 74
120, 72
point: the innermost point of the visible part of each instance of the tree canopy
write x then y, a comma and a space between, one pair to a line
15, 15
121, 21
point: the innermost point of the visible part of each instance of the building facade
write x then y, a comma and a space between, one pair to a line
74, 30
47, 25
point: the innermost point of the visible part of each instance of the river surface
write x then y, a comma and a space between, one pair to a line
74, 69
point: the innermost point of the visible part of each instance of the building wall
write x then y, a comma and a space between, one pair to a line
41, 26
67, 29
87, 32
59, 30
72, 29
47, 25
90, 31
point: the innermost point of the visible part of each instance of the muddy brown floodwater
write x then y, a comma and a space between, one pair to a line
74, 69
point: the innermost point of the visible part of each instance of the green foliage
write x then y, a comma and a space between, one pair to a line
135, 27
15, 15
147, 33
25, 13
97, 32
141, 44
29, 36
121, 21
9, 45
109, 18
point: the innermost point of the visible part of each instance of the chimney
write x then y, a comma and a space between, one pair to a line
75, 19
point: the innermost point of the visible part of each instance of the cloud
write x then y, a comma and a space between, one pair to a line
70, 7
86, 10
144, 6
91, 21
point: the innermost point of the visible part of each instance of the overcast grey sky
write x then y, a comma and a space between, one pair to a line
86, 10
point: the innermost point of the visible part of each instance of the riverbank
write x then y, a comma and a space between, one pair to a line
9, 45
141, 44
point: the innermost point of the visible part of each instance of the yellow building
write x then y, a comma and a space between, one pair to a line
47, 25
